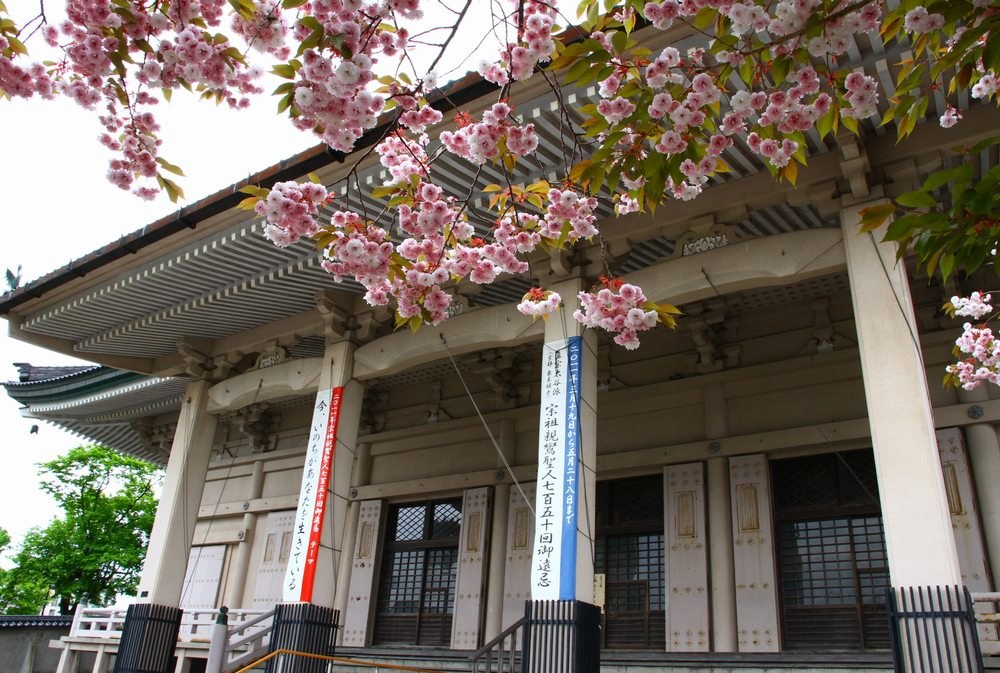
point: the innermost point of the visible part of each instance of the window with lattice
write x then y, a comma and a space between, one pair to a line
831, 552
629, 552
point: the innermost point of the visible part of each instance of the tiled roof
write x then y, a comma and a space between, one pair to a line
29, 373
35, 621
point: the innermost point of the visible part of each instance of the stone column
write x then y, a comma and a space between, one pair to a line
567, 448
984, 454
318, 533
720, 527
915, 513
173, 529
237, 583
498, 536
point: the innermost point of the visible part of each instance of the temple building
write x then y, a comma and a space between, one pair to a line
748, 485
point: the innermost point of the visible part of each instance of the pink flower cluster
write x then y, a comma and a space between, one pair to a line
919, 21
404, 156
265, 30
977, 343
618, 309
480, 142
291, 210
987, 85
983, 357
976, 305
359, 250
861, 96
533, 21
539, 303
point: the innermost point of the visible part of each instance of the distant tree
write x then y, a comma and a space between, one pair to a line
95, 550
19, 596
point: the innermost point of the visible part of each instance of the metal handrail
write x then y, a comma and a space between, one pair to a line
498, 643
340, 660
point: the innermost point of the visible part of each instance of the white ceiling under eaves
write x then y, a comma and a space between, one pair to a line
235, 280
121, 437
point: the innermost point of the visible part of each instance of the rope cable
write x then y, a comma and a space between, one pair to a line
489, 432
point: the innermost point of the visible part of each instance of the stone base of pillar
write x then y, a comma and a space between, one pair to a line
149, 639
305, 628
561, 637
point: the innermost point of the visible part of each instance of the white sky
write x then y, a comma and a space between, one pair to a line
58, 206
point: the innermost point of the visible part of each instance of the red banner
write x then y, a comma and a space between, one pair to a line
322, 488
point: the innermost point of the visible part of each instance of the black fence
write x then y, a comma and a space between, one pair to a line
933, 630
561, 637
306, 628
149, 637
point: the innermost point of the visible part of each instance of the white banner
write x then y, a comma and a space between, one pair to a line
553, 564
316, 475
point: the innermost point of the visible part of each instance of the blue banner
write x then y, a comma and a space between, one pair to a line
553, 571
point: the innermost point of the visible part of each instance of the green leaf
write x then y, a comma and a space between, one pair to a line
618, 40
947, 265
874, 216
167, 166
705, 18
916, 200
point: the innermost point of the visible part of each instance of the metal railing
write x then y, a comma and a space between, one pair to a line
501, 655
933, 630
561, 637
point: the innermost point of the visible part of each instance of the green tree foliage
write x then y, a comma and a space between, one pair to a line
95, 550
952, 222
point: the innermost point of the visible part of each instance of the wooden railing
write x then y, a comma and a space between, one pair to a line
988, 620
502, 654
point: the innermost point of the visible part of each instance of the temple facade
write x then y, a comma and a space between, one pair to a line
746, 487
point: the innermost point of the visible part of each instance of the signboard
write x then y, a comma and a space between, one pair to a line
316, 475
553, 563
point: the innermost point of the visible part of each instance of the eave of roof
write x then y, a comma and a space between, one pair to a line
88, 381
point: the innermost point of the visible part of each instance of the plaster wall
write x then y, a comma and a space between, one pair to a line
18, 645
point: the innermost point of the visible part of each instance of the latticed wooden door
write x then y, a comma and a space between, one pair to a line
419, 569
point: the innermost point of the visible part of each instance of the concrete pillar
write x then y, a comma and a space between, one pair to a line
361, 477
918, 535
984, 454
720, 527
318, 532
565, 496
237, 583
498, 537
173, 529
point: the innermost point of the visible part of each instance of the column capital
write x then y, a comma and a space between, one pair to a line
336, 319
198, 363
